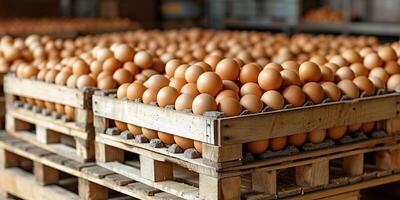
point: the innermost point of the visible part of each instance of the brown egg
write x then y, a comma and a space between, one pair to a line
30, 101
135, 130
331, 91
251, 88
352, 56
372, 60
314, 92
275, 66
294, 95
337, 132
192, 73
257, 147
203, 103
51, 76
171, 66
62, 78
290, 65
290, 77
80, 67
49, 106
29, 72
393, 82
167, 96
206, 67
348, 88
180, 71
327, 74
71, 81
338, 60
131, 67
184, 101
121, 92
104, 74
354, 127
103, 53
135, 91
106, 83
316, 136
378, 83
149, 134
212, 61
270, 79
184, 143
70, 112
190, 88
249, 73
359, 69
124, 53
392, 67
60, 109
149, 96
252, 103
297, 139
122, 76
177, 83
380, 73
39, 103
143, 59
198, 146
365, 85
309, 71
111, 65
230, 85
85, 81
320, 60
228, 69
166, 138
157, 82
344, 73
278, 143
209, 83
334, 67
227, 93
273, 99
121, 125
229, 106
387, 53
368, 127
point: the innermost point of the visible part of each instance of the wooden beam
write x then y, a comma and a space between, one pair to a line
106, 153
155, 170
314, 174
45, 175
264, 181
91, 191
354, 165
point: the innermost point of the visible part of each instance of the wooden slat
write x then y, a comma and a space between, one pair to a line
183, 124
48, 92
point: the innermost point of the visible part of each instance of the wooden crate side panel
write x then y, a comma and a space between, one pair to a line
178, 123
255, 127
48, 92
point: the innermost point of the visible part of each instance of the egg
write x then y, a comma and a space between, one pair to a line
294, 95
228, 69
344, 73
354, 127
131, 67
62, 78
393, 82
198, 146
121, 92
184, 101
372, 60
49, 106
190, 88
252, 103
181, 71
135, 91
338, 60
251, 88
227, 93
149, 96
122, 76
387, 53
60, 109
229, 106
157, 82
352, 56
210, 83
270, 79
184, 143
80, 67
124, 53
274, 66
273, 99
290, 65
106, 83
212, 60
316, 136
278, 143
143, 59
149, 134
337, 132
348, 88
29, 72
297, 139
392, 67
135, 130
359, 69
85, 81
365, 85
39, 103
331, 91
166, 138
230, 85
327, 74
192, 73
111, 65
104, 74
290, 77
257, 147
171, 66
334, 67
203, 103
70, 112
121, 125
378, 83
320, 60
177, 83
368, 127
249, 73
51, 76
380, 73
314, 92
167, 96
309, 71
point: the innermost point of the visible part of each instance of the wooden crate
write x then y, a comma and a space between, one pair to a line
2, 101
74, 139
30, 172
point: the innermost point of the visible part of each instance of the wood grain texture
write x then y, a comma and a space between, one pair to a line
354, 165
313, 174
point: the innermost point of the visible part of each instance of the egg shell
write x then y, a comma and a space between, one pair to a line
338, 60
257, 147
228, 69
249, 73
229, 106
212, 60
124, 53
372, 60
121, 125
251, 88
70, 112
354, 127
106, 83
177, 83
348, 88
297, 139
392, 67
252, 103
387, 53
294, 95
275, 66
135, 130
121, 92
203, 103
316, 136
359, 69
209, 83
167, 96
290, 77
181, 71
337, 132
143, 59
277, 144
314, 92
393, 82
80, 67
62, 78
111, 65
290, 65
273, 99
85, 81
184, 101
190, 88
380, 73
364, 84
198, 146
157, 82
149, 134
131, 67
230, 85
149, 96
166, 138
193, 73
352, 56
135, 91
378, 83
171, 66
122, 76
368, 127
269, 79
344, 73
184, 143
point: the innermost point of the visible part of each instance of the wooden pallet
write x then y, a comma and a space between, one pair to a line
222, 137
30, 172
74, 139
285, 176
2, 100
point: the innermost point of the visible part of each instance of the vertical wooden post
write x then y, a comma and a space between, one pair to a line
13, 125
105, 153
314, 174
354, 165
45, 175
83, 117
264, 181
155, 170
392, 126
85, 148
100, 124
91, 191
388, 160
46, 136
8, 159
219, 188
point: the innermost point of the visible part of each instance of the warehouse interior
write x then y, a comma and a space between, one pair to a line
123, 99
